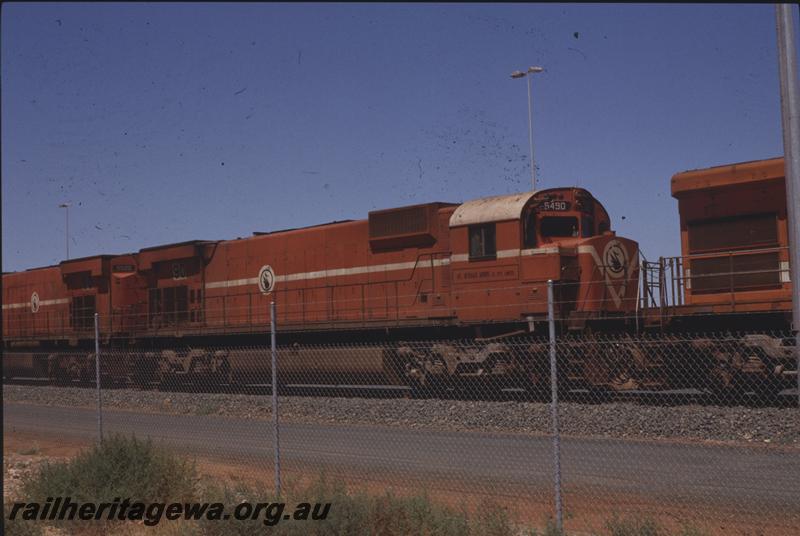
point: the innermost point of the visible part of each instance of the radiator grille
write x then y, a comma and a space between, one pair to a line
401, 221
735, 273
732, 233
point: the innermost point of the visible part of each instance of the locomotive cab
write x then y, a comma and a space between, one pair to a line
599, 271
555, 217
515, 244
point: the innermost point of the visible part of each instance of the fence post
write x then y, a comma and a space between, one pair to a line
275, 427
97, 376
554, 406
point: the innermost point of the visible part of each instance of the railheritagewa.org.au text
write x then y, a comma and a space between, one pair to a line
152, 513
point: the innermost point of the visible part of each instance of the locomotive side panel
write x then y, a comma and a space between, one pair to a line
128, 297
485, 268
88, 286
173, 276
609, 276
367, 273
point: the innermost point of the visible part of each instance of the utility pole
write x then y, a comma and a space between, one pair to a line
790, 119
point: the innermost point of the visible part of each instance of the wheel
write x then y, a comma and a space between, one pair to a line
612, 367
723, 384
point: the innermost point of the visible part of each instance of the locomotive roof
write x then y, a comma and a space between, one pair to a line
728, 175
179, 244
489, 209
437, 204
32, 269
261, 233
498, 207
89, 258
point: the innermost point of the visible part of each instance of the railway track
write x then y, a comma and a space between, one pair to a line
787, 398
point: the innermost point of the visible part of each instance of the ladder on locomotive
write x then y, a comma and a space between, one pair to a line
662, 286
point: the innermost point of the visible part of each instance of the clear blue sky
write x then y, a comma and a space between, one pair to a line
162, 123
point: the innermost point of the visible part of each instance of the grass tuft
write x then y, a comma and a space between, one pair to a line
118, 467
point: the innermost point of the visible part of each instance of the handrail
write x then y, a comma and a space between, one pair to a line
666, 283
725, 253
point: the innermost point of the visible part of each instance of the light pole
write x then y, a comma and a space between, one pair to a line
520, 74
66, 206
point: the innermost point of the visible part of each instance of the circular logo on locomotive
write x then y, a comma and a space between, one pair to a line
615, 259
266, 279
34, 302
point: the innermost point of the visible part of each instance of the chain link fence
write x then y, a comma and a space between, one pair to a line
698, 431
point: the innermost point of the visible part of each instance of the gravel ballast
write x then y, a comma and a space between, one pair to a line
617, 419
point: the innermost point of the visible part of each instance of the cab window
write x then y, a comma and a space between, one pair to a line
559, 226
482, 241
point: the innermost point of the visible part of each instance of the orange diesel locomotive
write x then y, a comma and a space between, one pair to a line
438, 270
